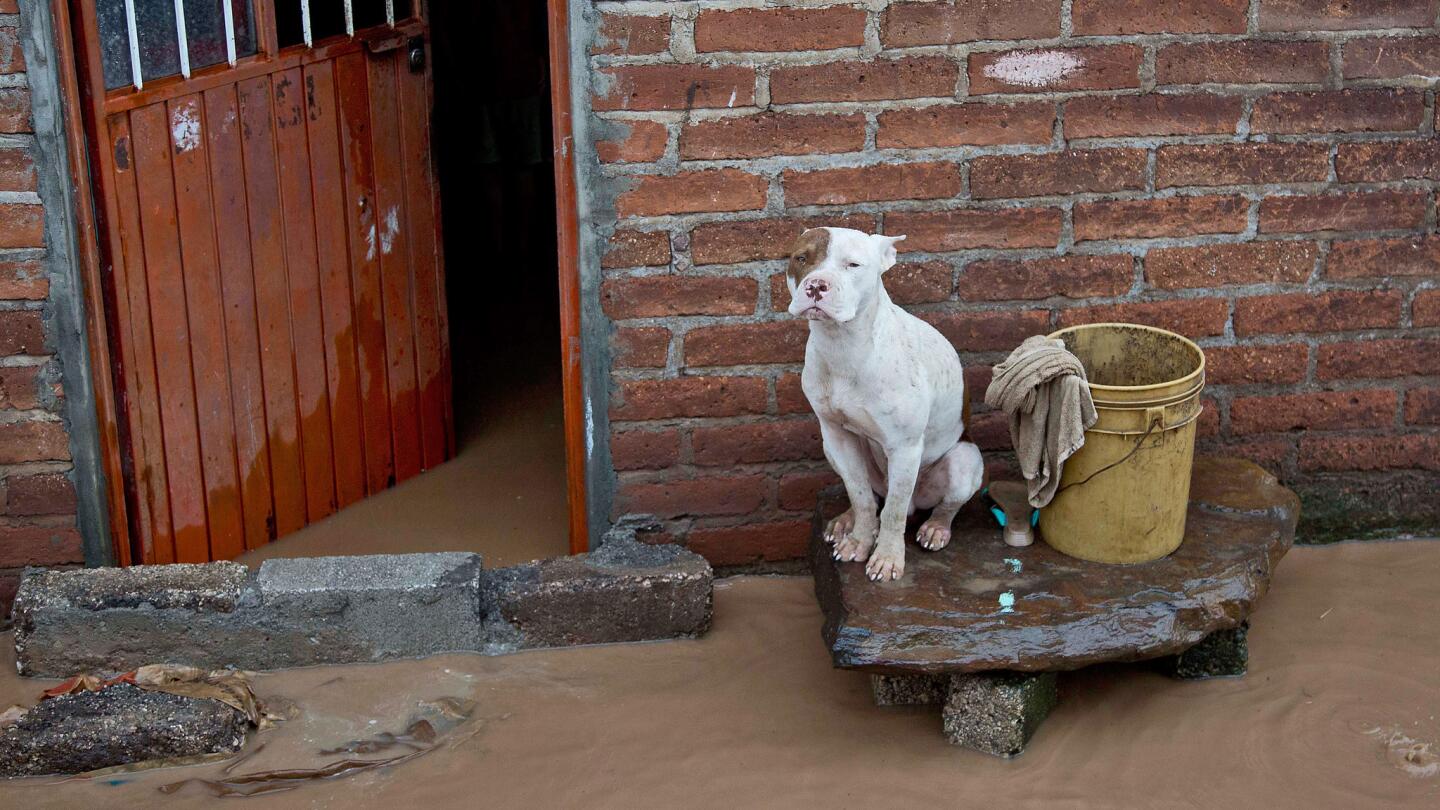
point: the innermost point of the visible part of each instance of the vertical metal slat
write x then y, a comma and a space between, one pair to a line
182, 38
229, 31
135, 76
390, 13
349, 18
305, 22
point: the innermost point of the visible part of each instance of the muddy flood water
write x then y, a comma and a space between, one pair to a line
1339, 710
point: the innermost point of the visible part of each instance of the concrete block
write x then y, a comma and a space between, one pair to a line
624, 591
998, 712
1222, 654
910, 690
117, 725
115, 619
329, 610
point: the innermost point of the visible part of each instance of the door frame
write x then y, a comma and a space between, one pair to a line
81, 147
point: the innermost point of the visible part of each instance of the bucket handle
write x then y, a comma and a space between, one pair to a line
1153, 417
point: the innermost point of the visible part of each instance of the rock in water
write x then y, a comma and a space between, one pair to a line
117, 725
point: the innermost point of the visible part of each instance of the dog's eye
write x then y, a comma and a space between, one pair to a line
852, 264
800, 259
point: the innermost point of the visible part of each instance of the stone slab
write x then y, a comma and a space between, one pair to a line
623, 591
998, 712
117, 725
979, 605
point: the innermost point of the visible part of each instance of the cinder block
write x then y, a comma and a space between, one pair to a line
116, 619
910, 690
624, 591
1222, 654
998, 712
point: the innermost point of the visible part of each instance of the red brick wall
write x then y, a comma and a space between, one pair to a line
1257, 175
37, 499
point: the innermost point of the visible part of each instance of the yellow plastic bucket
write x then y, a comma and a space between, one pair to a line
1123, 496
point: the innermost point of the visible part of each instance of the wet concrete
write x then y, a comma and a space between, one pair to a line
1341, 697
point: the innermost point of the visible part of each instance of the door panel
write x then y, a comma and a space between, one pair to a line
274, 279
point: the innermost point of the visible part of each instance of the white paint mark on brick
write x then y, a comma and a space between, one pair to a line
731, 102
1034, 68
392, 227
370, 243
185, 128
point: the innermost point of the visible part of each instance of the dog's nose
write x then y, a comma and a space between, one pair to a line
816, 289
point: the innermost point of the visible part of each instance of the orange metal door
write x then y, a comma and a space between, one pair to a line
269, 223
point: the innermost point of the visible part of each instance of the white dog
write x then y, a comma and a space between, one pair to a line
890, 395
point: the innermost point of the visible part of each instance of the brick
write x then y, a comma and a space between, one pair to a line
682, 397
692, 192
33, 441
972, 124
1382, 258
643, 142
1191, 317
17, 170
645, 449
39, 545
907, 24
786, 440
990, 430
1284, 364
965, 229
632, 35
1425, 311
637, 249
1324, 410
1350, 211
885, 181
1377, 359
1093, 170
768, 134
1149, 17
801, 491
907, 283
22, 225
641, 347
747, 344
1422, 407
1072, 276
878, 80
15, 110
1152, 114
790, 395
1370, 453
753, 543
45, 494
25, 280
1243, 62
669, 296
713, 495
988, 331
1330, 15
761, 239
1389, 160
1225, 265
780, 29
19, 387
21, 332
673, 87
1172, 216
1317, 312
1379, 110
1099, 67
12, 56
1391, 57
1241, 164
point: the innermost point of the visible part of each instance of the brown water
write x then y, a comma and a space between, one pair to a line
1344, 685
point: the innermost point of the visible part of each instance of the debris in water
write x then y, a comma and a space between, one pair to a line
1417, 758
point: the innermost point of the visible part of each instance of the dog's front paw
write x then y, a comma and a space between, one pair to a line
856, 543
840, 527
887, 562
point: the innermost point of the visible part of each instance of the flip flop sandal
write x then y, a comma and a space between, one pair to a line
1009, 502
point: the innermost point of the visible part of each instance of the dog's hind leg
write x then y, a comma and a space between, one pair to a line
949, 483
852, 533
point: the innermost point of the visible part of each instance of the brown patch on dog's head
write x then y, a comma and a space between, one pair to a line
809, 252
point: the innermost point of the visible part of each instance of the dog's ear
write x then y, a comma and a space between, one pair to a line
887, 249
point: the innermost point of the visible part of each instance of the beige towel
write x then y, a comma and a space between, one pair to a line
1041, 387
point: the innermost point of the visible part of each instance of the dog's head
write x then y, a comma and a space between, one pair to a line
834, 271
